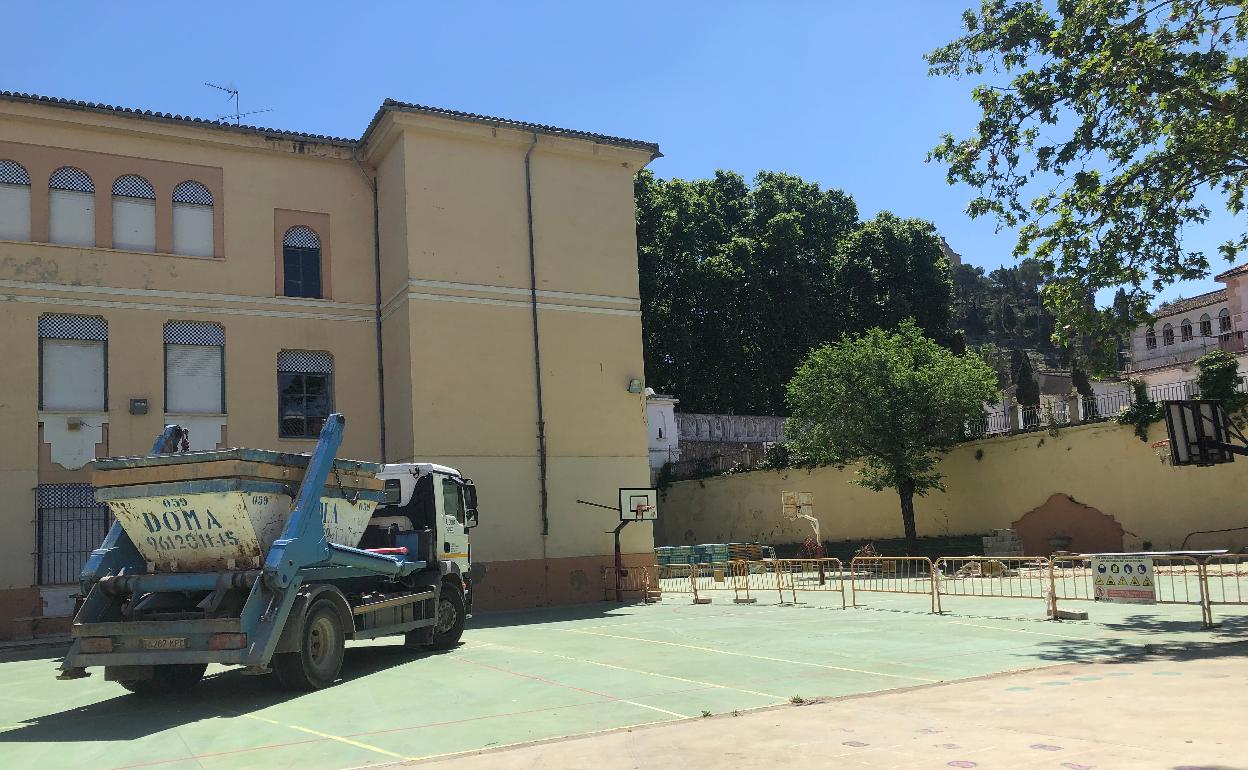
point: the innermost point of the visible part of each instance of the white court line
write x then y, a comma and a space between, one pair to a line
758, 657
630, 670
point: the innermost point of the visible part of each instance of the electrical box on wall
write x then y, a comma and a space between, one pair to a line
138, 406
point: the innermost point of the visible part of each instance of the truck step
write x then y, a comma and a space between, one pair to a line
395, 601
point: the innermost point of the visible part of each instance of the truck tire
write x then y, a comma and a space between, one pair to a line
450, 619
167, 679
322, 644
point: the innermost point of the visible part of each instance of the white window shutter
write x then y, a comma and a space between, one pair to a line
134, 224
14, 212
73, 375
193, 374
192, 230
71, 217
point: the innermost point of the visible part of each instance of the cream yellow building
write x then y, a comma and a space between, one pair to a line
244, 281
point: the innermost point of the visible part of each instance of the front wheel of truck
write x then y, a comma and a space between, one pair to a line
450, 619
167, 679
322, 644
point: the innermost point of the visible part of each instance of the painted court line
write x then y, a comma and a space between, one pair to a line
629, 670
544, 680
758, 657
331, 737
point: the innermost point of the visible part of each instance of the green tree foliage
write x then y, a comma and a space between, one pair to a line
1107, 125
739, 282
890, 400
1027, 390
1219, 377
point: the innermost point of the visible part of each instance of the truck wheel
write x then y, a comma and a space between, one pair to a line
167, 679
450, 621
321, 647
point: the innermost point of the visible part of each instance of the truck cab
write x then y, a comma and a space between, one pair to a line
428, 510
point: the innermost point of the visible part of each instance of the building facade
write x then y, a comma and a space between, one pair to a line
1164, 352
462, 288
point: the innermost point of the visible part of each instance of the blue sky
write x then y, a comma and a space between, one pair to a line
836, 92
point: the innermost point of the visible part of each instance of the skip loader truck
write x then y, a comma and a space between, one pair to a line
268, 560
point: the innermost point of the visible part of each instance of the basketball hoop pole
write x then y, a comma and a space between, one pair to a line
619, 556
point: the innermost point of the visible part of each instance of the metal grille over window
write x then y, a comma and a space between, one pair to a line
301, 237
73, 327
131, 186
72, 179
192, 192
12, 172
69, 525
304, 392
192, 333
305, 362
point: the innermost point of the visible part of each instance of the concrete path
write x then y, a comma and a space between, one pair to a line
1172, 709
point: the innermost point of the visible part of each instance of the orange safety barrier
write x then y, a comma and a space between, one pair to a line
893, 575
1226, 580
679, 579
819, 575
1004, 577
632, 580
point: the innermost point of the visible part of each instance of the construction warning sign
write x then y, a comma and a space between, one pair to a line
1124, 578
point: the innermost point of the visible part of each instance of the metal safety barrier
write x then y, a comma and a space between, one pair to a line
817, 575
679, 579
892, 575
1177, 579
1226, 580
1003, 577
631, 580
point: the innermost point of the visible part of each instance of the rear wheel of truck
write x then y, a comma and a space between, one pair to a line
450, 620
167, 679
322, 644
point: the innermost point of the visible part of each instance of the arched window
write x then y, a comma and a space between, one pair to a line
71, 207
1186, 330
134, 214
301, 263
192, 220
1150, 339
14, 202
1206, 326
1167, 334
1224, 322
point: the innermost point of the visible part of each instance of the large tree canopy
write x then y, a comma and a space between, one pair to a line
739, 282
890, 400
1108, 128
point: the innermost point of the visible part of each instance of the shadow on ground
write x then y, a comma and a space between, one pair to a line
228, 694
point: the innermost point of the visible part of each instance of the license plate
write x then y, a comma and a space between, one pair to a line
164, 643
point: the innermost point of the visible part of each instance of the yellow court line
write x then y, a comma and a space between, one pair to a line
329, 736
630, 670
758, 657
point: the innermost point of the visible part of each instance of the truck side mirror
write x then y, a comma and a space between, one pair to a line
470, 504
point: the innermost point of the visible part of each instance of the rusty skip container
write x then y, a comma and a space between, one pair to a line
222, 509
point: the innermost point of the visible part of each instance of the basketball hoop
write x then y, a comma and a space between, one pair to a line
1162, 450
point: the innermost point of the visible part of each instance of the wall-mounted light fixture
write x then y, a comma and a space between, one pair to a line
634, 385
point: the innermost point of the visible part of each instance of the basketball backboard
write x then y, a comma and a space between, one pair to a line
796, 504
639, 504
1200, 432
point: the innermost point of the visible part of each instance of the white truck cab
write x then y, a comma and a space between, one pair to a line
428, 509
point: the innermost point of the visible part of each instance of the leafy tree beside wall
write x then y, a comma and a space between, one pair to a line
892, 401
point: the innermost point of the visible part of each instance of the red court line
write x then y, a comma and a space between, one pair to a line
220, 753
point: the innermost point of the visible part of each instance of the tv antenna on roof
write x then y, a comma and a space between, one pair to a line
236, 115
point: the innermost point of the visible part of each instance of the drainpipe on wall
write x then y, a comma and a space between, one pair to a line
381, 367
537, 346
